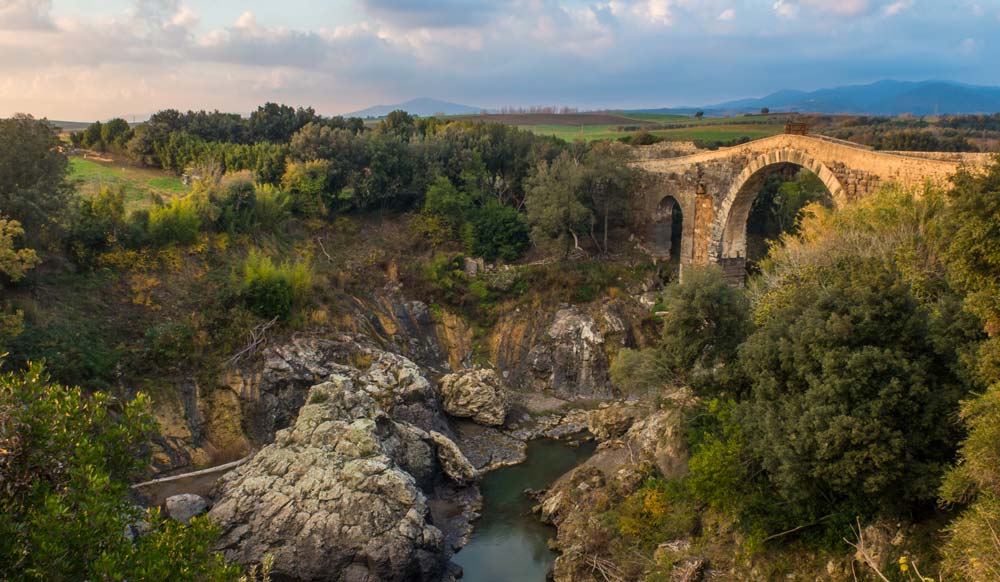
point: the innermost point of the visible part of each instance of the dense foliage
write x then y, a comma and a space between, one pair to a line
66, 459
33, 187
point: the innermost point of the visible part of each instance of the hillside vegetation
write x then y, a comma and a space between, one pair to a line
854, 383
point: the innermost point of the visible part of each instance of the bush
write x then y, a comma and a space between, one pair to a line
271, 290
178, 223
307, 184
95, 224
66, 466
658, 511
850, 392
497, 232
705, 323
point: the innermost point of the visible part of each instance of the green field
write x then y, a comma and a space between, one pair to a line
718, 129
140, 183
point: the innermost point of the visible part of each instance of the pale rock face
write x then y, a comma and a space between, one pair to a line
454, 464
477, 394
573, 361
336, 496
186, 506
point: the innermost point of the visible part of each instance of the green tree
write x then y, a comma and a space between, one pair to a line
398, 123
706, 320
116, 133
972, 253
33, 187
451, 205
850, 393
611, 185
66, 460
14, 264
554, 199
308, 185
96, 224
498, 232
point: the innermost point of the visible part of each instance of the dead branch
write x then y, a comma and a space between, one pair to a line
863, 550
258, 337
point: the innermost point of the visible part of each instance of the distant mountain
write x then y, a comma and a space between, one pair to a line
881, 98
421, 107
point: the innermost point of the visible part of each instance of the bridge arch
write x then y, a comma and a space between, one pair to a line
728, 244
666, 229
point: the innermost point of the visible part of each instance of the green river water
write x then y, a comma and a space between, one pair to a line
509, 543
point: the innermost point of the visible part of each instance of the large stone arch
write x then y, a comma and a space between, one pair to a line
729, 230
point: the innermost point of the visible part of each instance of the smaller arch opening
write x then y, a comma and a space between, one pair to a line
667, 230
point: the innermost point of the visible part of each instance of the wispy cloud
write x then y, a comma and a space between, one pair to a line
588, 53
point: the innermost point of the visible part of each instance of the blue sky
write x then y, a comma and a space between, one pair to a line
90, 59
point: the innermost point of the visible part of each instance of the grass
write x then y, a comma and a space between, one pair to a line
140, 183
708, 130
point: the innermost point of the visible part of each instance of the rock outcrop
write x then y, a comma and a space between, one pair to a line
338, 496
185, 506
477, 394
639, 444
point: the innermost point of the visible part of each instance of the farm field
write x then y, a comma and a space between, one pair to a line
710, 130
140, 184
615, 125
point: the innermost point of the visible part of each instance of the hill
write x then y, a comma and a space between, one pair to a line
880, 98
422, 107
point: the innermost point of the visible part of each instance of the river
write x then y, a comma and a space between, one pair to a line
509, 543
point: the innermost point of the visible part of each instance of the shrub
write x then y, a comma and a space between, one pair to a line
639, 371
271, 290
497, 232
658, 511
95, 224
67, 462
850, 392
178, 223
307, 184
705, 323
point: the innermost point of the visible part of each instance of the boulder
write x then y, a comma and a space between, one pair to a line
453, 462
614, 420
476, 393
186, 506
331, 499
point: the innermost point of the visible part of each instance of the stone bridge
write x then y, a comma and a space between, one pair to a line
714, 190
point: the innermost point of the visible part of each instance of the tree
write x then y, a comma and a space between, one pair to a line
96, 223
92, 136
308, 185
398, 123
498, 231
706, 320
699, 114
116, 133
556, 211
14, 264
451, 205
969, 240
764, 110
278, 123
33, 187
849, 392
66, 461
611, 185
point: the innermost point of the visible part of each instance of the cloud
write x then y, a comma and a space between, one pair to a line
26, 15
585, 53
433, 13
785, 9
790, 8
898, 7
